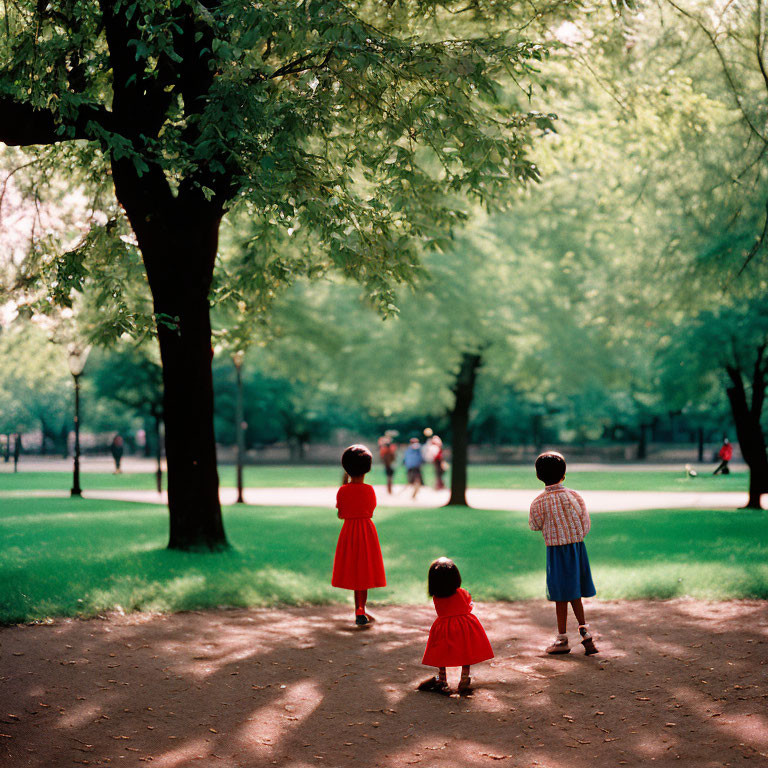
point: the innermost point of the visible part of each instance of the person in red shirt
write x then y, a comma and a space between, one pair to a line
358, 564
725, 454
388, 455
457, 638
438, 459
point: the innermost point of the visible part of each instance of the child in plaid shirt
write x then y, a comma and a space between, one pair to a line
561, 515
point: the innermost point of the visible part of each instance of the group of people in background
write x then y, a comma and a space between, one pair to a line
416, 455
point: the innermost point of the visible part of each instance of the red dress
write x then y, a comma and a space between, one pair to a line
358, 563
457, 637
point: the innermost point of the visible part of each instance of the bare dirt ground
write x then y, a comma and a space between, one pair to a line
679, 683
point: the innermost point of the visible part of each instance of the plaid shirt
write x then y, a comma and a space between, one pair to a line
560, 514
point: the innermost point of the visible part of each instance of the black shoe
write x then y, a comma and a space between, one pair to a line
361, 620
433, 685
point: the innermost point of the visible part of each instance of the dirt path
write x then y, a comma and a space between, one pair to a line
678, 683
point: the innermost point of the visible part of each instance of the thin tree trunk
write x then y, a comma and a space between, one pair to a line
158, 454
147, 448
239, 431
642, 445
701, 444
43, 435
749, 432
463, 390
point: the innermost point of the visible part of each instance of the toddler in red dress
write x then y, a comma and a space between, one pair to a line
358, 564
457, 638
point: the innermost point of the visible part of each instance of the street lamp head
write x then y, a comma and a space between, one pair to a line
78, 354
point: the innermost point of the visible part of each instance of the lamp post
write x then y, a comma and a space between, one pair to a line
237, 359
77, 356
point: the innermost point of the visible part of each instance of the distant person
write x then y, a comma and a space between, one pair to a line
457, 638
725, 454
117, 447
388, 456
562, 517
413, 459
357, 564
141, 441
17, 448
438, 460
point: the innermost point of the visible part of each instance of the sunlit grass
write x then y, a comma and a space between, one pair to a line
64, 557
480, 476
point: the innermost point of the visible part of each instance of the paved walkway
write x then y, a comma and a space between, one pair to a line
480, 498
132, 464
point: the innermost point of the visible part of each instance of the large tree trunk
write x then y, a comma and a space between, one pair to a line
178, 241
463, 390
176, 221
749, 432
190, 446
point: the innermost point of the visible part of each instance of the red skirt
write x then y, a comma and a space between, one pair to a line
358, 563
455, 641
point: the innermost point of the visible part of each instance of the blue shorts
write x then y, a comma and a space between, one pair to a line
568, 573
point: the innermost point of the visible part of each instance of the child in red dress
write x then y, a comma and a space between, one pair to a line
358, 564
457, 638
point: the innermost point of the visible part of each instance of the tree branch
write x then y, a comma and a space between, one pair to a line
22, 125
4, 187
726, 71
758, 243
294, 67
760, 42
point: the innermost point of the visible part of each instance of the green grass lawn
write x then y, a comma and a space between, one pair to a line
64, 557
480, 476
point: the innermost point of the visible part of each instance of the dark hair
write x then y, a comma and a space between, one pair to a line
443, 578
550, 467
356, 460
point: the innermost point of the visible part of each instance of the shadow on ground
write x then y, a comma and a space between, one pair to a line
676, 683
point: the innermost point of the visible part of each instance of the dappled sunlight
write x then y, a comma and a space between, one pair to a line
305, 686
748, 728
267, 725
98, 559
80, 715
179, 757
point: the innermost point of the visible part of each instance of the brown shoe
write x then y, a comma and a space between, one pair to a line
559, 646
465, 686
434, 685
587, 641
